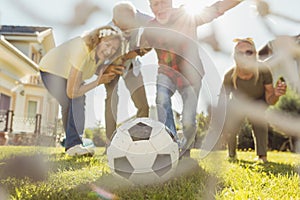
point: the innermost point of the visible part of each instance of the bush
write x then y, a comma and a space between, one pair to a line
99, 137
96, 134
202, 127
245, 138
276, 140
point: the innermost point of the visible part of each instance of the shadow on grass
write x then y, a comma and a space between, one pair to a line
189, 182
271, 168
61, 162
22, 166
36, 167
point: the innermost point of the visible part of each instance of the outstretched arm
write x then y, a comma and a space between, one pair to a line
223, 6
214, 11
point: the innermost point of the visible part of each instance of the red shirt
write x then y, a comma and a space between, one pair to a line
174, 53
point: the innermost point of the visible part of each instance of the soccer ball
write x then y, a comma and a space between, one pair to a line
143, 152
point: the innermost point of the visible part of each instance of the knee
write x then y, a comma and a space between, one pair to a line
143, 110
78, 101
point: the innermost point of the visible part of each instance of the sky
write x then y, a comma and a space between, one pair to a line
242, 21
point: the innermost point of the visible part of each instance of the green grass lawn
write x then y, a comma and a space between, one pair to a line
24, 176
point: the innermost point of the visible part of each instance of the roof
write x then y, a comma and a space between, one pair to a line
21, 30
12, 50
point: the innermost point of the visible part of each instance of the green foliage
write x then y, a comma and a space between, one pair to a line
203, 123
245, 138
276, 140
202, 127
96, 134
99, 137
289, 103
197, 178
88, 133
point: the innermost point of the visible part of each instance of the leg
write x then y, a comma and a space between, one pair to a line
76, 119
231, 128
260, 133
56, 86
72, 114
135, 85
111, 107
165, 90
189, 112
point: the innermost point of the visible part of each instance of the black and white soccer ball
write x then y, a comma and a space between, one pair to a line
143, 151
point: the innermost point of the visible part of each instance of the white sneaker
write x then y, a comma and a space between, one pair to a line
261, 159
79, 150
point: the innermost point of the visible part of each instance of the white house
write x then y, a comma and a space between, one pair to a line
21, 89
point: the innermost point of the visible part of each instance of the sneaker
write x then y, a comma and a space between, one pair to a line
232, 158
88, 143
79, 150
262, 159
181, 141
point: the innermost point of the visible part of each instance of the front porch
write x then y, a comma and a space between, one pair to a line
26, 131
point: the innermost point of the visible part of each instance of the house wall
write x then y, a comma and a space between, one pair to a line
15, 81
22, 46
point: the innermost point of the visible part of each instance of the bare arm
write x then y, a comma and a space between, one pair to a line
214, 11
223, 6
272, 94
77, 88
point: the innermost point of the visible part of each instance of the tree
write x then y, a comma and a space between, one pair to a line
97, 134
202, 127
290, 104
245, 138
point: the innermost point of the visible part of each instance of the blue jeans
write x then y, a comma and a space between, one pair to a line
72, 110
165, 90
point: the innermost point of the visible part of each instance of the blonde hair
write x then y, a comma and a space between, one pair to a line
236, 68
94, 37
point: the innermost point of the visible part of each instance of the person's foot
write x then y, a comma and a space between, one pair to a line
232, 158
261, 159
79, 150
185, 153
105, 152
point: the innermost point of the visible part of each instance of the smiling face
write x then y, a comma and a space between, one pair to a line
162, 10
107, 48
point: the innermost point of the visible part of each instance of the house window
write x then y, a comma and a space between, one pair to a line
33, 106
4, 107
32, 109
4, 102
35, 55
